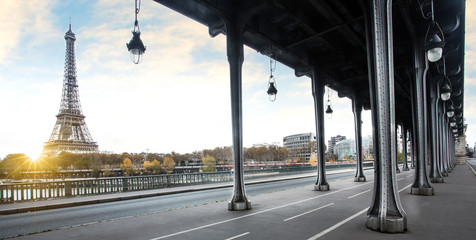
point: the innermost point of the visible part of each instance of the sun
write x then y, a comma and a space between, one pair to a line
34, 154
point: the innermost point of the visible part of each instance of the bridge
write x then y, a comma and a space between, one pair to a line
403, 60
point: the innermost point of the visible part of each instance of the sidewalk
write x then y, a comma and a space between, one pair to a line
30, 206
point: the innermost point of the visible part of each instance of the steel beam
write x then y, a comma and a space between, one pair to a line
357, 109
385, 213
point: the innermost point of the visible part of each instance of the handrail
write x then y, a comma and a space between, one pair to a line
17, 192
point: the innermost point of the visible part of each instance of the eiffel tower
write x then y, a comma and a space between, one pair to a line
70, 132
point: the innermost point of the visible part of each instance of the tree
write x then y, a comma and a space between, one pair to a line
15, 164
147, 167
282, 154
127, 167
209, 164
153, 167
96, 170
169, 164
156, 167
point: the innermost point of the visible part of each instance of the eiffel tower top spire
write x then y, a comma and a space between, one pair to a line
70, 132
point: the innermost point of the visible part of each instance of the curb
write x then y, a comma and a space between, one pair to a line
471, 167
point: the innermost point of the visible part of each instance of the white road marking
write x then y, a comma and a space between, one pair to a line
237, 236
313, 210
355, 195
337, 225
405, 188
256, 213
344, 221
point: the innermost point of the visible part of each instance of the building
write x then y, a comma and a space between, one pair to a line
368, 147
298, 145
333, 142
345, 149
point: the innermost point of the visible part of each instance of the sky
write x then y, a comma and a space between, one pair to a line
176, 99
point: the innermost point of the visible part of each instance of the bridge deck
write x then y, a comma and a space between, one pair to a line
303, 214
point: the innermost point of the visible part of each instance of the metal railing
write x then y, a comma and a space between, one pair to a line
14, 192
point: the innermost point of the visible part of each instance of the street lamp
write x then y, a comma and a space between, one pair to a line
434, 44
135, 47
450, 112
453, 122
329, 110
272, 91
445, 91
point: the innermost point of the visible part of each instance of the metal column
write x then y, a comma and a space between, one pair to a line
421, 185
318, 94
441, 138
385, 213
435, 173
357, 109
234, 47
397, 169
404, 145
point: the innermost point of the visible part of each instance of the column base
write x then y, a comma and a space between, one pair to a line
239, 206
423, 191
437, 180
445, 174
406, 169
398, 170
390, 225
360, 179
322, 187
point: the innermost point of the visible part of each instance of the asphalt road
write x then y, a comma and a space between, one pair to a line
27, 223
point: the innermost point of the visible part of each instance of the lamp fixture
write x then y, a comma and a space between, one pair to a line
434, 38
329, 110
445, 91
450, 112
452, 122
434, 44
272, 91
136, 47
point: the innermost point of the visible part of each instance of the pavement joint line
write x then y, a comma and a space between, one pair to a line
355, 195
238, 236
313, 210
259, 212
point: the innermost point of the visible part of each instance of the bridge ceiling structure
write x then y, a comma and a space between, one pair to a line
330, 35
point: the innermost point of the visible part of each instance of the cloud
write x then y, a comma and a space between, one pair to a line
24, 24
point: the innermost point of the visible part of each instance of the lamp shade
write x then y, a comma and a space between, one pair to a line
445, 92
136, 47
450, 112
272, 91
434, 44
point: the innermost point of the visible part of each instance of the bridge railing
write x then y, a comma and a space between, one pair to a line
15, 192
